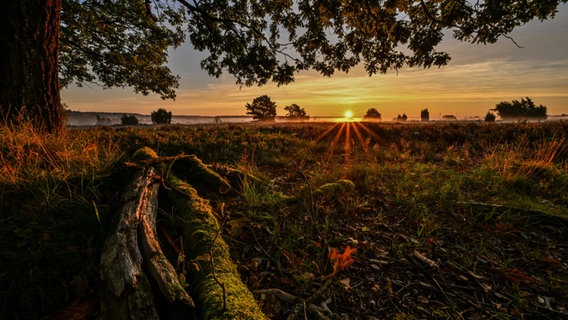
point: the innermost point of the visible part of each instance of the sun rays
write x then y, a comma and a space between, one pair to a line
345, 138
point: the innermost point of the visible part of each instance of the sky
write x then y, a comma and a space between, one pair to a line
476, 79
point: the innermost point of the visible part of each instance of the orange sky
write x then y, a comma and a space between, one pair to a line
477, 78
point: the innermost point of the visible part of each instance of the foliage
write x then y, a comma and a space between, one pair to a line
425, 115
490, 117
449, 117
524, 109
129, 120
295, 112
262, 108
372, 114
120, 43
161, 116
124, 43
404, 117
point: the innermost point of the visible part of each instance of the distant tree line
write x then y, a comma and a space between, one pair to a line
263, 108
507, 110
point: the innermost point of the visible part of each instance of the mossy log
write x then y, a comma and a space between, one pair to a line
190, 167
132, 259
215, 283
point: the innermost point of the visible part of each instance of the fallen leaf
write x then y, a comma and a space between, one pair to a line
342, 260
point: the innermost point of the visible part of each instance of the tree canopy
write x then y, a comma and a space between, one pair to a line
125, 43
161, 116
372, 114
262, 108
524, 109
295, 112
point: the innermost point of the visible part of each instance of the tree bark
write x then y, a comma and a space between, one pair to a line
132, 260
29, 79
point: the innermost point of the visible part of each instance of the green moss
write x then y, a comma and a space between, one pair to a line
332, 189
192, 168
144, 153
200, 235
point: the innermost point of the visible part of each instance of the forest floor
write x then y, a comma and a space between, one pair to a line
345, 221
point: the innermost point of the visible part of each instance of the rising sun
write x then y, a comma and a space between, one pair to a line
348, 114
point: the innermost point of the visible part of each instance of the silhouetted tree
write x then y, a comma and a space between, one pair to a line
295, 112
129, 120
161, 116
262, 108
524, 109
490, 117
126, 43
425, 115
372, 114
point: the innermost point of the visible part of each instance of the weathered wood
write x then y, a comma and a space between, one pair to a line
128, 293
162, 271
200, 230
132, 254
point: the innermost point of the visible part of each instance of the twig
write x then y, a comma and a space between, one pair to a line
306, 304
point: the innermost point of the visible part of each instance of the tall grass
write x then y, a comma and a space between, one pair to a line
28, 155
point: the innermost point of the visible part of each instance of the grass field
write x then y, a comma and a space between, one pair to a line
448, 220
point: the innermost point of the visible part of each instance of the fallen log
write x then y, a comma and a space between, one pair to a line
131, 250
215, 283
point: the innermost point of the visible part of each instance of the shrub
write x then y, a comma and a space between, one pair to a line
372, 114
490, 117
161, 116
524, 109
262, 108
129, 120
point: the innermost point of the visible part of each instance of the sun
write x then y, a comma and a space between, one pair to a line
348, 114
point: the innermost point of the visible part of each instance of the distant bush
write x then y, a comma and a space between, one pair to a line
262, 108
490, 117
449, 117
372, 114
161, 116
425, 115
404, 117
524, 109
295, 112
129, 120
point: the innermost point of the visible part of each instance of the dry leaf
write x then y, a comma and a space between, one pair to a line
345, 283
342, 260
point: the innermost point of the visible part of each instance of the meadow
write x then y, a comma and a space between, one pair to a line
356, 220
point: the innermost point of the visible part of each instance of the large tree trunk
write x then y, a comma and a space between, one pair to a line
29, 80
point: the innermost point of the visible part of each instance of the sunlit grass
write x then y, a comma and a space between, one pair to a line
431, 177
